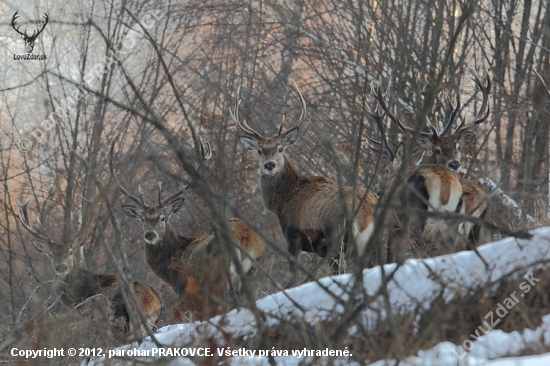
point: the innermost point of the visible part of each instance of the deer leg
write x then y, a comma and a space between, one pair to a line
295, 241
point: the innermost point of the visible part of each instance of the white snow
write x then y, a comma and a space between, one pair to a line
412, 289
507, 200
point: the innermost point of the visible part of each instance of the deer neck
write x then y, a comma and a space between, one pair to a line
163, 248
277, 188
78, 285
432, 159
163, 258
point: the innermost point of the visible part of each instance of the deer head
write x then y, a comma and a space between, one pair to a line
155, 218
270, 149
61, 255
29, 40
445, 146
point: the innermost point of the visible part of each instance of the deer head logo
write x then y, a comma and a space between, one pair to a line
29, 40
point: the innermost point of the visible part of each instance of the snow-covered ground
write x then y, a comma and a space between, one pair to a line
413, 287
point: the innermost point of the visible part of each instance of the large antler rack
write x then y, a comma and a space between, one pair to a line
384, 104
26, 222
481, 115
244, 127
383, 146
247, 130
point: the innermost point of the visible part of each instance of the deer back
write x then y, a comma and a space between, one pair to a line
437, 185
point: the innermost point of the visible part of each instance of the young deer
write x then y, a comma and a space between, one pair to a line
194, 267
311, 210
430, 187
444, 149
80, 284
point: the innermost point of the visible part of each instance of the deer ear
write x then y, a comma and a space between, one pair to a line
425, 143
290, 136
466, 138
132, 211
249, 143
174, 206
41, 246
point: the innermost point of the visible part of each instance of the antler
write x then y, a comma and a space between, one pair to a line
206, 152
485, 90
15, 16
384, 147
127, 193
302, 115
235, 116
455, 109
382, 100
25, 221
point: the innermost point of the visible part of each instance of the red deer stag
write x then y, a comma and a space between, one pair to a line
445, 149
193, 267
311, 210
429, 187
80, 284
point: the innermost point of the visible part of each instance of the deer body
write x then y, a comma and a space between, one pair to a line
78, 284
445, 150
440, 191
81, 284
196, 268
179, 260
429, 187
311, 211
474, 204
165, 258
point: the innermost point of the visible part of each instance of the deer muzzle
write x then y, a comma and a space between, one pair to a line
151, 237
454, 165
61, 269
269, 166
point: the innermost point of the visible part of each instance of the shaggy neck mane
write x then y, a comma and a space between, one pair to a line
160, 251
277, 188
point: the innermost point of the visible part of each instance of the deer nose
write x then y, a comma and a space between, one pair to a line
269, 166
150, 235
454, 165
61, 269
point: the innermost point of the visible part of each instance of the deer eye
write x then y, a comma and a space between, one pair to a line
162, 218
259, 152
437, 150
281, 149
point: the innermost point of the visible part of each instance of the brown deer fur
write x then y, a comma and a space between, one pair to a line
188, 263
311, 211
79, 284
196, 268
474, 203
444, 149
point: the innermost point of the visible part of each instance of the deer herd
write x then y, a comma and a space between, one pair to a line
431, 211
